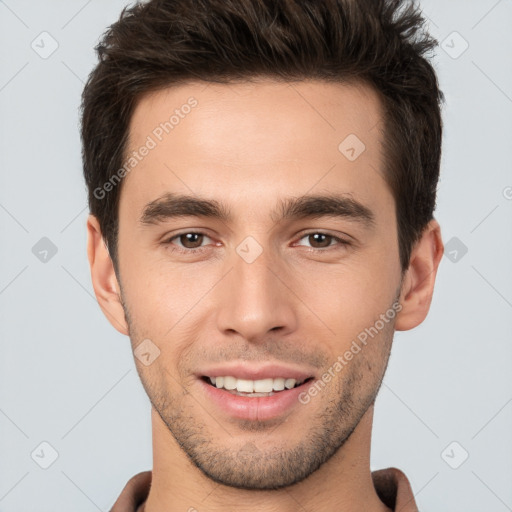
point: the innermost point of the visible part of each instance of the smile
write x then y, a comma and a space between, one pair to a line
253, 388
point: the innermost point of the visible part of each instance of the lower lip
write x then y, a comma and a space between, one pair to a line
258, 408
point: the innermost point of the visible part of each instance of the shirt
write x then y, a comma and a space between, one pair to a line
391, 484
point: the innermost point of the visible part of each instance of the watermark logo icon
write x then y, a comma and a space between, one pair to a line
249, 249
146, 352
455, 249
454, 455
351, 147
44, 250
44, 455
44, 45
454, 45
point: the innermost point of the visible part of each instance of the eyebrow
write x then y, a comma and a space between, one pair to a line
332, 205
171, 205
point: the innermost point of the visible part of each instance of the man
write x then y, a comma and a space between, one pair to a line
262, 179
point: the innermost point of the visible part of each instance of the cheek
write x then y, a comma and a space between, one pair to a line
170, 307
349, 298
160, 294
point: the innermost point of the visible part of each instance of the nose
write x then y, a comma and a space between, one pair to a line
256, 298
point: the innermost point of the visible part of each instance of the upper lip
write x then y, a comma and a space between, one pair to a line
245, 371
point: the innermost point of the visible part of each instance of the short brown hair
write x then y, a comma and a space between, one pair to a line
162, 43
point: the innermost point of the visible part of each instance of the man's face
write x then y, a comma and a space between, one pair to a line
268, 282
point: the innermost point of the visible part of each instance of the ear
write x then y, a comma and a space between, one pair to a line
418, 283
104, 279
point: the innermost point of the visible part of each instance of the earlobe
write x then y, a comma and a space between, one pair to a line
419, 279
104, 279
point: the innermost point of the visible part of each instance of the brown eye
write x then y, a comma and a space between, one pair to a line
319, 240
190, 240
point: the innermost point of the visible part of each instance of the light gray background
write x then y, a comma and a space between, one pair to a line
68, 378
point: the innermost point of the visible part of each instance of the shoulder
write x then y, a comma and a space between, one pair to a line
394, 489
134, 493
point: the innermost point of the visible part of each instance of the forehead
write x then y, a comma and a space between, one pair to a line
258, 139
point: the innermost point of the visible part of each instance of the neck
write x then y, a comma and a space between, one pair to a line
343, 483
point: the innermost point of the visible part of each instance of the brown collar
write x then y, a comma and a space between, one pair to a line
391, 485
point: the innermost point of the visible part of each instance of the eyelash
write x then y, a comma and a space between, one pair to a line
340, 242
182, 250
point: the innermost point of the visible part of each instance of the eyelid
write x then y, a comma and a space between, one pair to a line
340, 240
169, 240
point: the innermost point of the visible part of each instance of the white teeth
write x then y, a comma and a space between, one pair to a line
263, 386
289, 383
278, 384
230, 382
245, 386
253, 386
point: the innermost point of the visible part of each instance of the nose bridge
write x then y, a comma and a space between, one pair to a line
253, 300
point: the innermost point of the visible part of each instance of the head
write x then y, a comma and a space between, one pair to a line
262, 180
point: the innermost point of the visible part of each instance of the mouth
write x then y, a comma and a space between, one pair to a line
254, 388
236, 390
